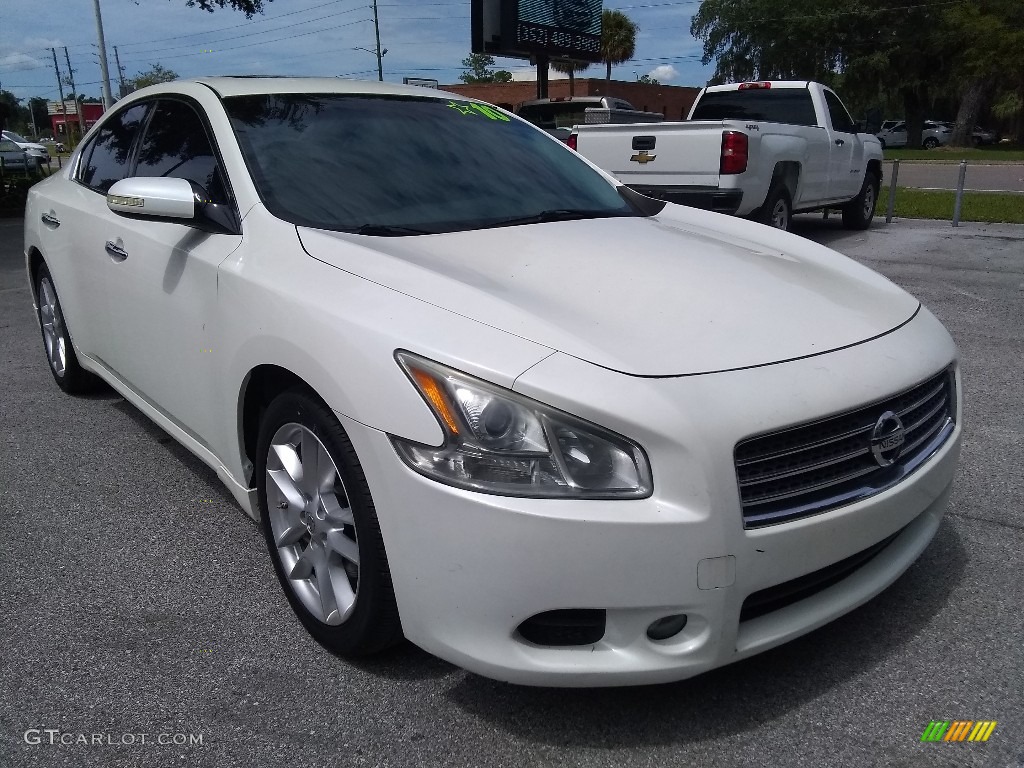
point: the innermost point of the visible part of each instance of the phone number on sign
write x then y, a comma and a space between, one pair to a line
549, 37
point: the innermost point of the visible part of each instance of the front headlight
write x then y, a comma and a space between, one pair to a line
497, 441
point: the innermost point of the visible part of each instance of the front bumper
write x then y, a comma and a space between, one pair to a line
469, 568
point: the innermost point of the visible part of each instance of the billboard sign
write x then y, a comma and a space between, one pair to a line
524, 28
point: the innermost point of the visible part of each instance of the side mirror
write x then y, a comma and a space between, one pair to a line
178, 200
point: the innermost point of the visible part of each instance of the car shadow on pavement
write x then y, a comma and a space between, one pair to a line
178, 451
829, 232
737, 698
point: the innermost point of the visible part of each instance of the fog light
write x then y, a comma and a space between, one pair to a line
666, 626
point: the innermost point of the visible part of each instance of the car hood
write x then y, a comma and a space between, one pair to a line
657, 296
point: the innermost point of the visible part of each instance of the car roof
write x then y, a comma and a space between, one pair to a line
245, 85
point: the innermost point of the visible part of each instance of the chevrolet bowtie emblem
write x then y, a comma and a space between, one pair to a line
642, 157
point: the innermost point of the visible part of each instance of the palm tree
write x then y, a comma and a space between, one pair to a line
618, 39
570, 67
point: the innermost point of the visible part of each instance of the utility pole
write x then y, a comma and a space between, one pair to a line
376, 29
108, 101
122, 87
63, 106
78, 104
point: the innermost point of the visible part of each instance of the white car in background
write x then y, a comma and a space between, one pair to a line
934, 134
544, 427
13, 157
36, 152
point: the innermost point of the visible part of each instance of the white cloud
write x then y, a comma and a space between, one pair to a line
43, 42
664, 73
19, 61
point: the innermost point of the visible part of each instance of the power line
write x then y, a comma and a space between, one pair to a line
260, 20
249, 34
250, 45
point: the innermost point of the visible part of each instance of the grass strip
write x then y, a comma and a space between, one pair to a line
999, 153
991, 207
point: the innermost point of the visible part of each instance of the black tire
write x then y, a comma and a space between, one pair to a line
777, 210
371, 623
858, 213
930, 143
62, 361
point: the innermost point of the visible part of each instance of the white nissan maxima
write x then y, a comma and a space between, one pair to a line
481, 396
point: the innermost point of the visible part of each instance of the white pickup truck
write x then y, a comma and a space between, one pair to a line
765, 149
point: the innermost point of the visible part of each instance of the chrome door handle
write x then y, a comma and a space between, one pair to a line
839, 142
50, 219
116, 251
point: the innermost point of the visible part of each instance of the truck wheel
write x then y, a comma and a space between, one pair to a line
858, 213
777, 209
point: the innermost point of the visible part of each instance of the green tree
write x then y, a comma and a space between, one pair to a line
988, 37
648, 79
478, 70
618, 39
570, 67
865, 47
38, 110
155, 74
10, 110
248, 7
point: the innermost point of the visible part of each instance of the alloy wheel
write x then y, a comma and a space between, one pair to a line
869, 202
780, 217
312, 524
53, 327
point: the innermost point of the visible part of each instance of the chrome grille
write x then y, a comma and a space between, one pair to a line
808, 469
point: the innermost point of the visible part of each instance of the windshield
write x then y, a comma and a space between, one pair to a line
15, 137
392, 165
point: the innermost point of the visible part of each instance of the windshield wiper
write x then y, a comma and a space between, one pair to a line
388, 230
555, 214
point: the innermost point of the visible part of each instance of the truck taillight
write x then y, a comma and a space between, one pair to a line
571, 142
734, 152
748, 86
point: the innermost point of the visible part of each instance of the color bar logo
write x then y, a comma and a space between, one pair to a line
958, 730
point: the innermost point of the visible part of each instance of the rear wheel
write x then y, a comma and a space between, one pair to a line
858, 213
777, 209
931, 142
60, 353
321, 528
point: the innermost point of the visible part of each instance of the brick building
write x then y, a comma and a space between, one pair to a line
673, 101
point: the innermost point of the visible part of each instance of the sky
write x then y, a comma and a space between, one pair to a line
297, 37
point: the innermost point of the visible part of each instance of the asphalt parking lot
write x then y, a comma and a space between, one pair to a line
138, 600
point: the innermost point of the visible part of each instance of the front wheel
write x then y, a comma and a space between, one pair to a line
777, 209
931, 142
321, 528
858, 213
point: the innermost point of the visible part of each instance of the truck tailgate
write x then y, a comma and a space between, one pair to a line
656, 154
